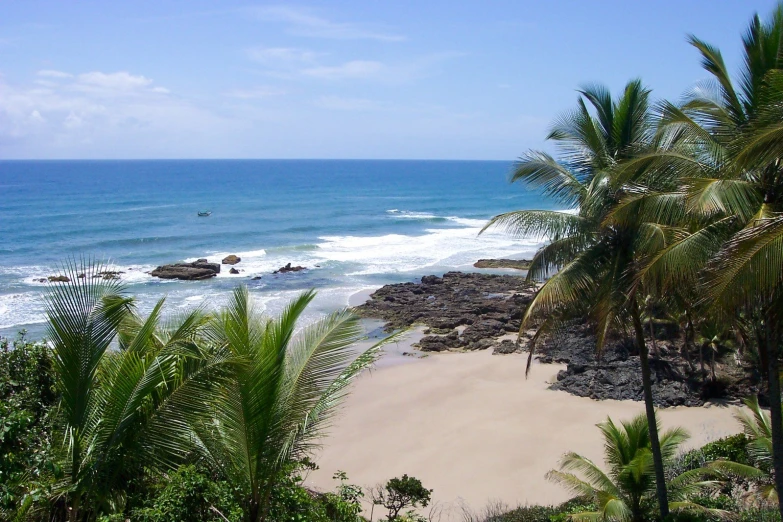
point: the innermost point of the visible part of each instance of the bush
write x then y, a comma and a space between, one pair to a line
27, 398
733, 448
400, 493
190, 495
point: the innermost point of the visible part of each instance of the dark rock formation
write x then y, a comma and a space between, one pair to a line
58, 279
288, 268
107, 275
233, 271
505, 347
231, 260
488, 305
200, 269
520, 264
478, 311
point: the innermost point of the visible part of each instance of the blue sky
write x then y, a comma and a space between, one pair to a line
348, 79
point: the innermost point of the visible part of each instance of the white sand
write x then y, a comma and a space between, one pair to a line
473, 429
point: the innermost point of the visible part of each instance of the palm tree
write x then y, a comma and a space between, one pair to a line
284, 389
626, 492
722, 150
126, 406
590, 259
757, 426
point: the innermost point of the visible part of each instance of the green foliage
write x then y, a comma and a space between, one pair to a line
627, 491
733, 448
400, 493
190, 495
345, 504
27, 396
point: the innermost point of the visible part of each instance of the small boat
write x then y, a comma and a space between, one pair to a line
205, 213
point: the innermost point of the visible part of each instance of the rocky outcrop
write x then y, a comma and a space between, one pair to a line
519, 264
233, 271
200, 269
58, 279
487, 306
481, 311
288, 268
231, 260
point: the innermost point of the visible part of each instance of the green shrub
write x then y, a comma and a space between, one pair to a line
27, 397
190, 495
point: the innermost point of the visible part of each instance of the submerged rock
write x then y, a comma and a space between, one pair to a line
233, 271
200, 269
288, 268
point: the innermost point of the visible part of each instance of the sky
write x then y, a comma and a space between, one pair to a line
357, 79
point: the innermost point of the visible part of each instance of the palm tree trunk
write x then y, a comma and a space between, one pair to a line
649, 406
776, 416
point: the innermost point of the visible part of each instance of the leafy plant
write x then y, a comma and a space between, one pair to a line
626, 492
400, 493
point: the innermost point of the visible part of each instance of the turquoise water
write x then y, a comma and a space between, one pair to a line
356, 224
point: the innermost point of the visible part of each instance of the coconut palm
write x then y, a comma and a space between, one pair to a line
589, 259
626, 492
284, 389
722, 150
757, 426
121, 407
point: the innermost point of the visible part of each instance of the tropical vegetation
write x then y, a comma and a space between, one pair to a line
674, 203
669, 212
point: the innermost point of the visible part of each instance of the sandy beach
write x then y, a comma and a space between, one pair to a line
473, 429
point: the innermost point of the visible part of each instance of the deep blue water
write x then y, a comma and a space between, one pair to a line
363, 223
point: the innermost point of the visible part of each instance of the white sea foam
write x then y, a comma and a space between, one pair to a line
348, 259
409, 214
21, 309
397, 253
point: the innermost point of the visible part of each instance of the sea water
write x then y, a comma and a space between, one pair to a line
353, 224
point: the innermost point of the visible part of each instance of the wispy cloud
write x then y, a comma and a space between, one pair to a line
303, 22
282, 56
71, 113
355, 69
49, 73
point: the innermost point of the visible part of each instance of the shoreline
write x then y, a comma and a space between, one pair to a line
471, 427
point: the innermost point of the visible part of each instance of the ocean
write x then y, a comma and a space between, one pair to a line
354, 224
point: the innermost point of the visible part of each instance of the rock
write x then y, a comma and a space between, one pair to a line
233, 271
288, 268
107, 275
81, 276
231, 260
59, 279
519, 264
201, 269
504, 347
256, 278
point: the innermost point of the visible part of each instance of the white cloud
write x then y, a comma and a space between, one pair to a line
48, 73
119, 81
305, 23
98, 114
281, 56
361, 69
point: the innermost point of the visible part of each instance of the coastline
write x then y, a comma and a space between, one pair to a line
471, 427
